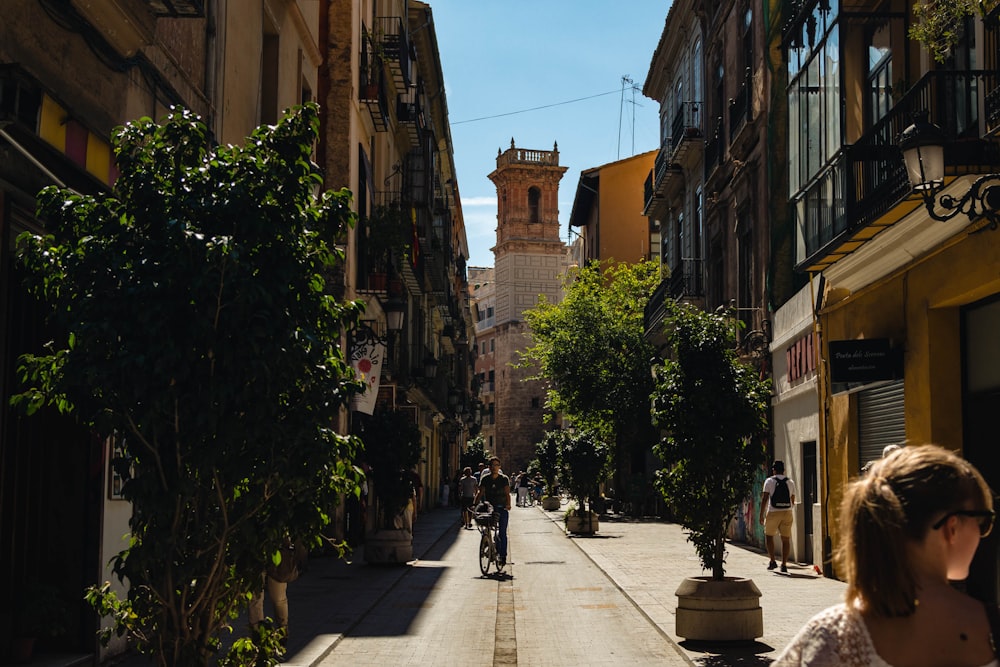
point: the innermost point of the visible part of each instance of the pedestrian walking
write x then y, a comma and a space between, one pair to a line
909, 528
495, 489
467, 487
523, 484
776, 503
276, 579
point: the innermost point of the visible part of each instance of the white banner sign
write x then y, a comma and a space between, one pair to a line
367, 357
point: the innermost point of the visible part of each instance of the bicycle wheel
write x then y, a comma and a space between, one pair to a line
485, 553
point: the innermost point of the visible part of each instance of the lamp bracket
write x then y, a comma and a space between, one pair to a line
982, 200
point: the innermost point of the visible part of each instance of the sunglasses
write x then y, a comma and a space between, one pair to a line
986, 518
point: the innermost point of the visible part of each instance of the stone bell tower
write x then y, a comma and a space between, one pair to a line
528, 261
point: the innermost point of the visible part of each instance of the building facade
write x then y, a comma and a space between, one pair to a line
905, 282
482, 290
70, 71
725, 238
608, 215
528, 263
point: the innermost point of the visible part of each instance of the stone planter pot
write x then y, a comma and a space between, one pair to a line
582, 525
550, 503
727, 610
389, 547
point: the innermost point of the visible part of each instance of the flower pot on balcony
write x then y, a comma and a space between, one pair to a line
378, 281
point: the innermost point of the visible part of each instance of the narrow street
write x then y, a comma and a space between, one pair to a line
553, 607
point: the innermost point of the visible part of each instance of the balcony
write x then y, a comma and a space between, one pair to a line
686, 134
410, 115
864, 189
662, 180
686, 283
687, 280
394, 45
372, 90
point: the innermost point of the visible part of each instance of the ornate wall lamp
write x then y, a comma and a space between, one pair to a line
922, 144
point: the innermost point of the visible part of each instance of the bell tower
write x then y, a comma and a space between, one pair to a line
529, 258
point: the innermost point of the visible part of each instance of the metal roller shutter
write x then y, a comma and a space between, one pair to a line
881, 420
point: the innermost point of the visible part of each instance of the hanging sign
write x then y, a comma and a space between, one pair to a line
367, 357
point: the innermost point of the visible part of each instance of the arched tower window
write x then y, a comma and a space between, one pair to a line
534, 200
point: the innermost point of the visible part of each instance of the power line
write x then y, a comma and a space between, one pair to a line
544, 106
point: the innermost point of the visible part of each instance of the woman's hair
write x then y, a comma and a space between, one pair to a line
896, 503
467, 470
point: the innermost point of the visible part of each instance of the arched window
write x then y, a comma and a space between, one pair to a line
534, 200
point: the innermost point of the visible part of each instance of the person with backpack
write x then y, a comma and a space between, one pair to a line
776, 503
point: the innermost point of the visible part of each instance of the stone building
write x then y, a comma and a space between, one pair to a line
528, 262
482, 291
72, 70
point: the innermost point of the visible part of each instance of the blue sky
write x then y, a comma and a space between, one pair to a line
502, 57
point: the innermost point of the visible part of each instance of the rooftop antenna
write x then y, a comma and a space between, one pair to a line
625, 80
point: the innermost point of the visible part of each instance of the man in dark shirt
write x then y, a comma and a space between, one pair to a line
494, 488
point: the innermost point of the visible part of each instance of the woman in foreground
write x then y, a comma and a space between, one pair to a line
909, 528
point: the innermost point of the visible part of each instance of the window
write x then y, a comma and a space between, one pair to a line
534, 199
879, 74
493, 345
535, 402
744, 272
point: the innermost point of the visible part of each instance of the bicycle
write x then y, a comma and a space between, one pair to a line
488, 523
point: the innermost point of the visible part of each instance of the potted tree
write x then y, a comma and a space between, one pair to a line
712, 410
392, 448
41, 614
547, 452
585, 461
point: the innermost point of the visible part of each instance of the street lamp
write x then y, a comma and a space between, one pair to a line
922, 144
394, 312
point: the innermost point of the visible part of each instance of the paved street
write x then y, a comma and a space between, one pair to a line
556, 606
602, 600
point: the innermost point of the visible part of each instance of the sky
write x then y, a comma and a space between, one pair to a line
503, 59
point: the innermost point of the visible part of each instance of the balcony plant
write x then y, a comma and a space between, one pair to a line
712, 409
389, 232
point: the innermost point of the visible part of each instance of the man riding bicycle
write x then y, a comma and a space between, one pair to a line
495, 489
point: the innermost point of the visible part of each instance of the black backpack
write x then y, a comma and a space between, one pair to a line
781, 499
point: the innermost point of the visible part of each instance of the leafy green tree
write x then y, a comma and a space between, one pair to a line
585, 462
940, 23
200, 332
392, 447
713, 410
475, 453
590, 348
548, 456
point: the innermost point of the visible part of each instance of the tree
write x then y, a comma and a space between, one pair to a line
548, 456
475, 453
585, 461
590, 347
392, 447
201, 334
713, 410
940, 23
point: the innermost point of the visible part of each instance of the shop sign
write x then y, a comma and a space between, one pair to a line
861, 362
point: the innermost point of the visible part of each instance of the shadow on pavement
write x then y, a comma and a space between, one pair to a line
736, 654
